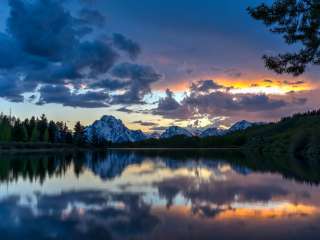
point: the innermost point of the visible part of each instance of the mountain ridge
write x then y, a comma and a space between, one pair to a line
110, 129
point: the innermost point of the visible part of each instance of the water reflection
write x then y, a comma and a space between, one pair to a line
153, 195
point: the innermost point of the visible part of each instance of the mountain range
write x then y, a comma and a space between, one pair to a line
111, 129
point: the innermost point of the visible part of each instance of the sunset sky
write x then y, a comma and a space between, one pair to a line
151, 63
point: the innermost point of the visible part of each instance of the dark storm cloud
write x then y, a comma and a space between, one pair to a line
205, 86
112, 84
63, 95
10, 90
158, 128
226, 103
169, 102
92, 16
257, 103
125, 110
10, 53
42, 29
97, 55
216, 193
144, 123
44, 44
140, 78
103, 222
219, 102
130, 47
299, 82
169, 107
90, 59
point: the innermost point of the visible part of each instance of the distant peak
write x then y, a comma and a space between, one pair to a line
108, 118
112, 129
241, 125
175, 127
175, 131
244, 121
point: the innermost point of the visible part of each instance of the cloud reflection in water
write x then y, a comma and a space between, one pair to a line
134, 195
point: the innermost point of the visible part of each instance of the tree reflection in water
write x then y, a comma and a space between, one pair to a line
156, 195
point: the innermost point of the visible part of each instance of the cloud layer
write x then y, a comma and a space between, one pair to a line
67, 59
63, 52
207, 98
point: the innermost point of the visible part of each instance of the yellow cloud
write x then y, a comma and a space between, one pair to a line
279, 211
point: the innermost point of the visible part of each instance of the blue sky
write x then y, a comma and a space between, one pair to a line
79, 59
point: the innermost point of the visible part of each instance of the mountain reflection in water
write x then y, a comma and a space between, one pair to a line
154, 195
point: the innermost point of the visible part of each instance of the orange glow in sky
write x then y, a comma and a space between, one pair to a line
280, 211
252, 84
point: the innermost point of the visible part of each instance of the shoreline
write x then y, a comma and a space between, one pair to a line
176, 148
16, 148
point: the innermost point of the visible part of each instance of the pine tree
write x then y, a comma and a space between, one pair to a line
79, 136
30, 127
42, 127
46, 135
299, 23
53, 132
18, 132
25, 137
6, 129
34, 135
7, 133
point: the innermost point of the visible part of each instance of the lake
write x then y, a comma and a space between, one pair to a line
156, 194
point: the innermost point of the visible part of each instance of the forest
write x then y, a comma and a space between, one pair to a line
295, 137
38, 130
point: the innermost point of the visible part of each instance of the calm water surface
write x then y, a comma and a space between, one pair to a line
152, 195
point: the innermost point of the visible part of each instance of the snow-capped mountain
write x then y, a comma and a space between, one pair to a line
195, 131
154, 135
238, 126
175, 131
112, 164
242, 125
210, 132
138, 135
111, 129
